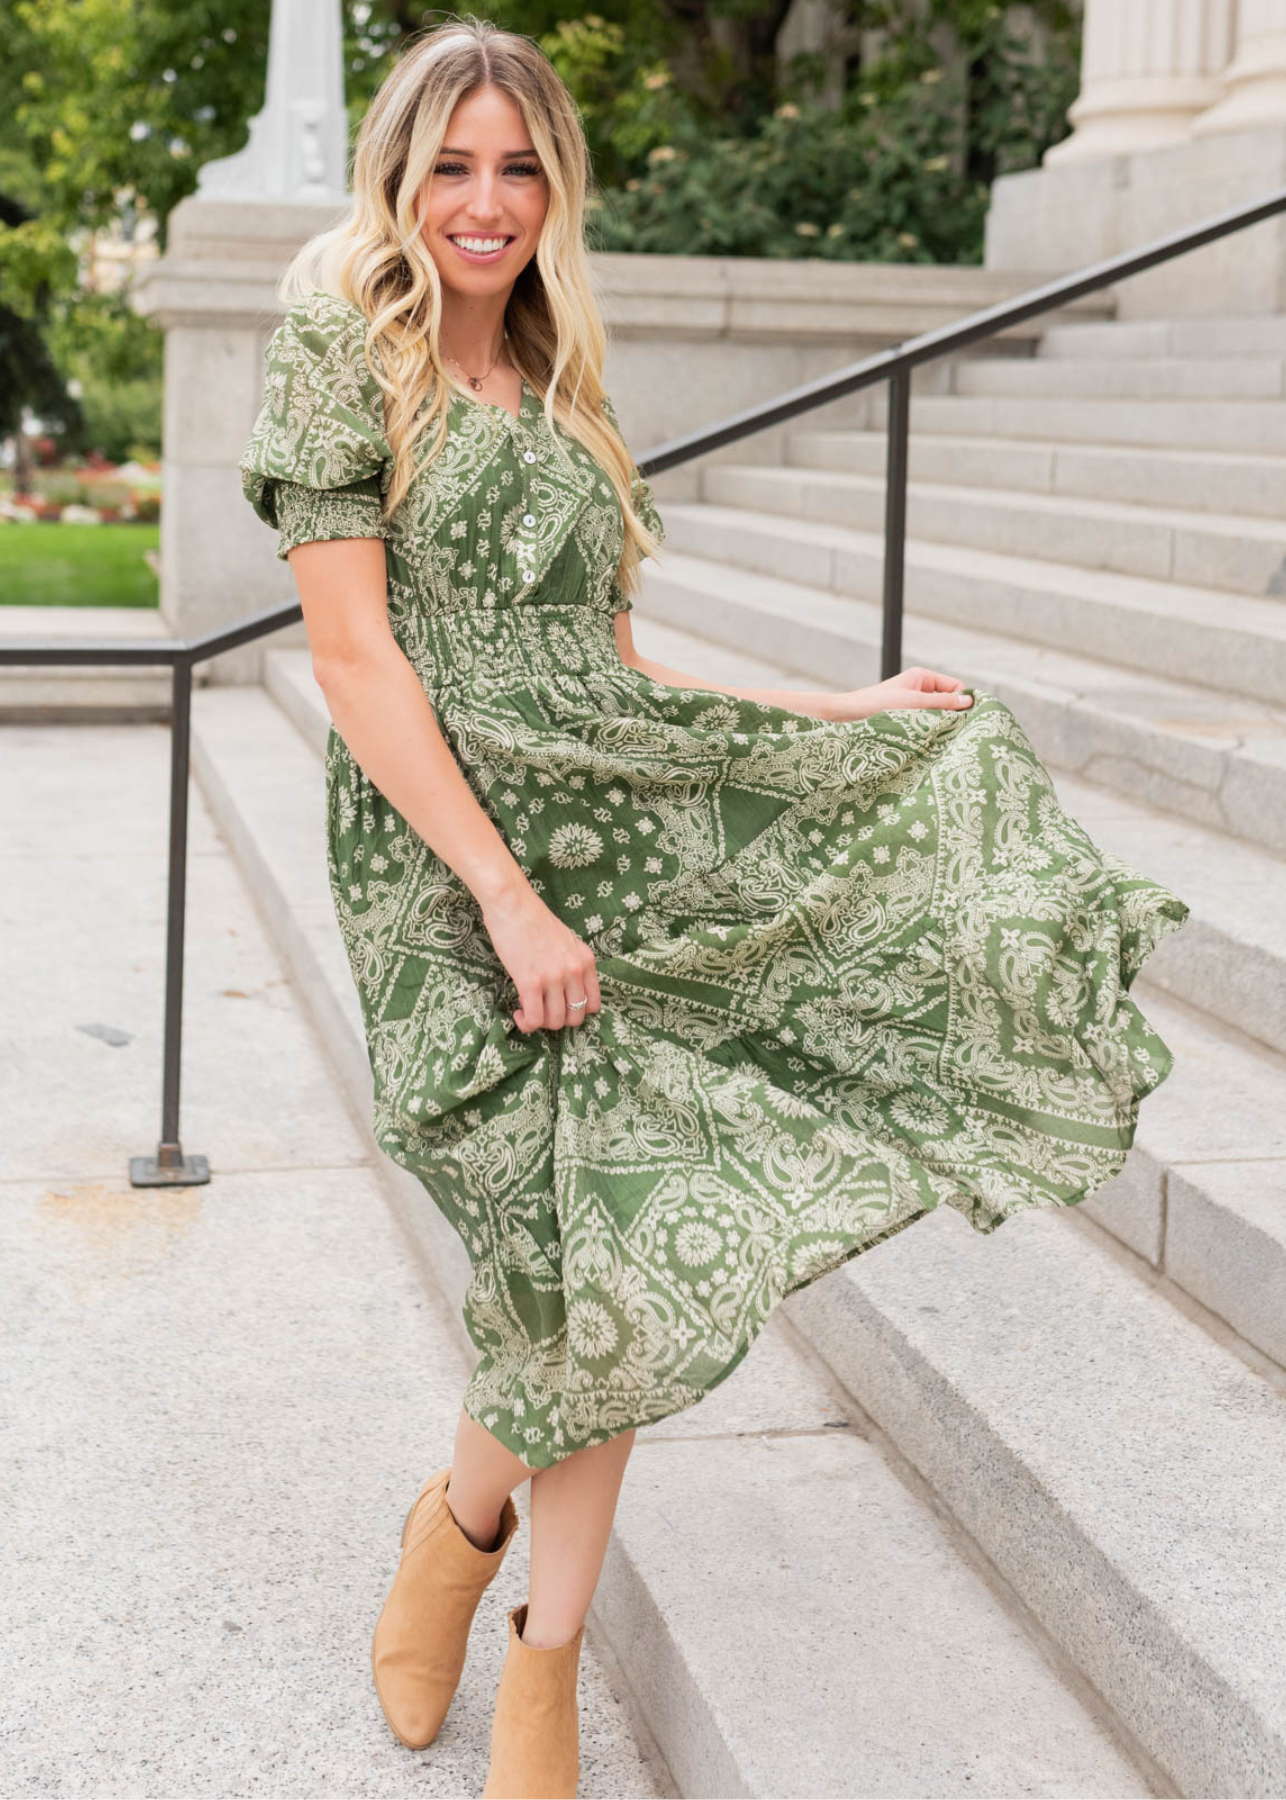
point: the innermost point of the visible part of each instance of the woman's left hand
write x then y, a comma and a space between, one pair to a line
910, 687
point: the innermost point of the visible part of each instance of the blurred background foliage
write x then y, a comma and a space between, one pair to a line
709, 136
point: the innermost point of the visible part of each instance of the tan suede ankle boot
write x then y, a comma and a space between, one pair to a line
535, 1747
417, 1653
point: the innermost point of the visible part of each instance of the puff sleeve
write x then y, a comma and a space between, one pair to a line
644, 504
317, 462
640, 493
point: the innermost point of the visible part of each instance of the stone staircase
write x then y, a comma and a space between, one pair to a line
999, 1515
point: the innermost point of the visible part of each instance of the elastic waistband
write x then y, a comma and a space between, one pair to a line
541, 636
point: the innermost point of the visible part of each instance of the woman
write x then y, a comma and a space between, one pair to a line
790, 969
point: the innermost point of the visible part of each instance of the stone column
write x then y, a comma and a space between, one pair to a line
214, 295
1148, 69
1255, 80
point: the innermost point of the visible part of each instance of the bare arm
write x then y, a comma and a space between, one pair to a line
912, 687
381, 710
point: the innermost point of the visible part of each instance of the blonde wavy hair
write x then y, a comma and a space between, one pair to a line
377, 259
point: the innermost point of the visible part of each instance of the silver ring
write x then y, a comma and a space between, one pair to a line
579, 1003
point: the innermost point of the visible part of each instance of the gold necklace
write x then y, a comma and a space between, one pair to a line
476, 381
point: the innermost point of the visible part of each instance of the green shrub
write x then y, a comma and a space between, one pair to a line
857, 184
852, 184
899, 171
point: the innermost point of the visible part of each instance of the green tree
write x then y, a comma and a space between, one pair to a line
122, 100
30, 255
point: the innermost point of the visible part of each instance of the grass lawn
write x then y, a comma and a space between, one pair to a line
77, 565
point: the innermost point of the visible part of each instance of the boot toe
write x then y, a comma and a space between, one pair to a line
413, 1717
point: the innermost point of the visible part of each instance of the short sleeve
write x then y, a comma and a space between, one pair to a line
641, 497
317, 462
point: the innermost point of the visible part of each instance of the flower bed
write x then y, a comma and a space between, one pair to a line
93, 493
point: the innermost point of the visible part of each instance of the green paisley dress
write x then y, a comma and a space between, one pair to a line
849, 971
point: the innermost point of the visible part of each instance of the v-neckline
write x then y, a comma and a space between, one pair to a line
494, 406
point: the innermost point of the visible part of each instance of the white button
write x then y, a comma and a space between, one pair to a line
529, 456
529, 518
529, 574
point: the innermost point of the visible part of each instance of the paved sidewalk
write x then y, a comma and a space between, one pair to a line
218, 1401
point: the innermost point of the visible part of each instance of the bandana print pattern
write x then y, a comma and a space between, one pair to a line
849, 971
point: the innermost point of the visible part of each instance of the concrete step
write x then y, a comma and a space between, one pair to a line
1248, 426
1230, 957
1216, 481
1231, 643
48, 694
1211, 758
1212, 988
795, 1620
1118, 1466
1113, 377
1202, 1197
878, 1616
1254, 336
1209, 550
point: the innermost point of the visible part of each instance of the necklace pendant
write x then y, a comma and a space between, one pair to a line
475, 384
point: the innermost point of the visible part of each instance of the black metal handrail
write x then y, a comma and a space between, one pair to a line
170, 1166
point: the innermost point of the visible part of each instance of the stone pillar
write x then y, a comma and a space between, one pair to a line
1144, 162
298, 143
1255, 80
214, 295
1148, 69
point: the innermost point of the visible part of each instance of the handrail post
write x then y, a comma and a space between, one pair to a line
895, 474
170, 1167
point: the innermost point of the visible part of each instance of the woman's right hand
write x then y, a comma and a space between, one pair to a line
915, 687
549, 964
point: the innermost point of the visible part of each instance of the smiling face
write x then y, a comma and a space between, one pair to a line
483, 207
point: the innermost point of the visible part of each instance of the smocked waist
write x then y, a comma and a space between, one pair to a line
545, 637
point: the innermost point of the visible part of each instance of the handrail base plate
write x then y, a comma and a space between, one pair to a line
160, 1171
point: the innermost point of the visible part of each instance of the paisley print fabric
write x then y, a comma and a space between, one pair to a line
850, 971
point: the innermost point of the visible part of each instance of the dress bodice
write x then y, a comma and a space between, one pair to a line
513, 511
